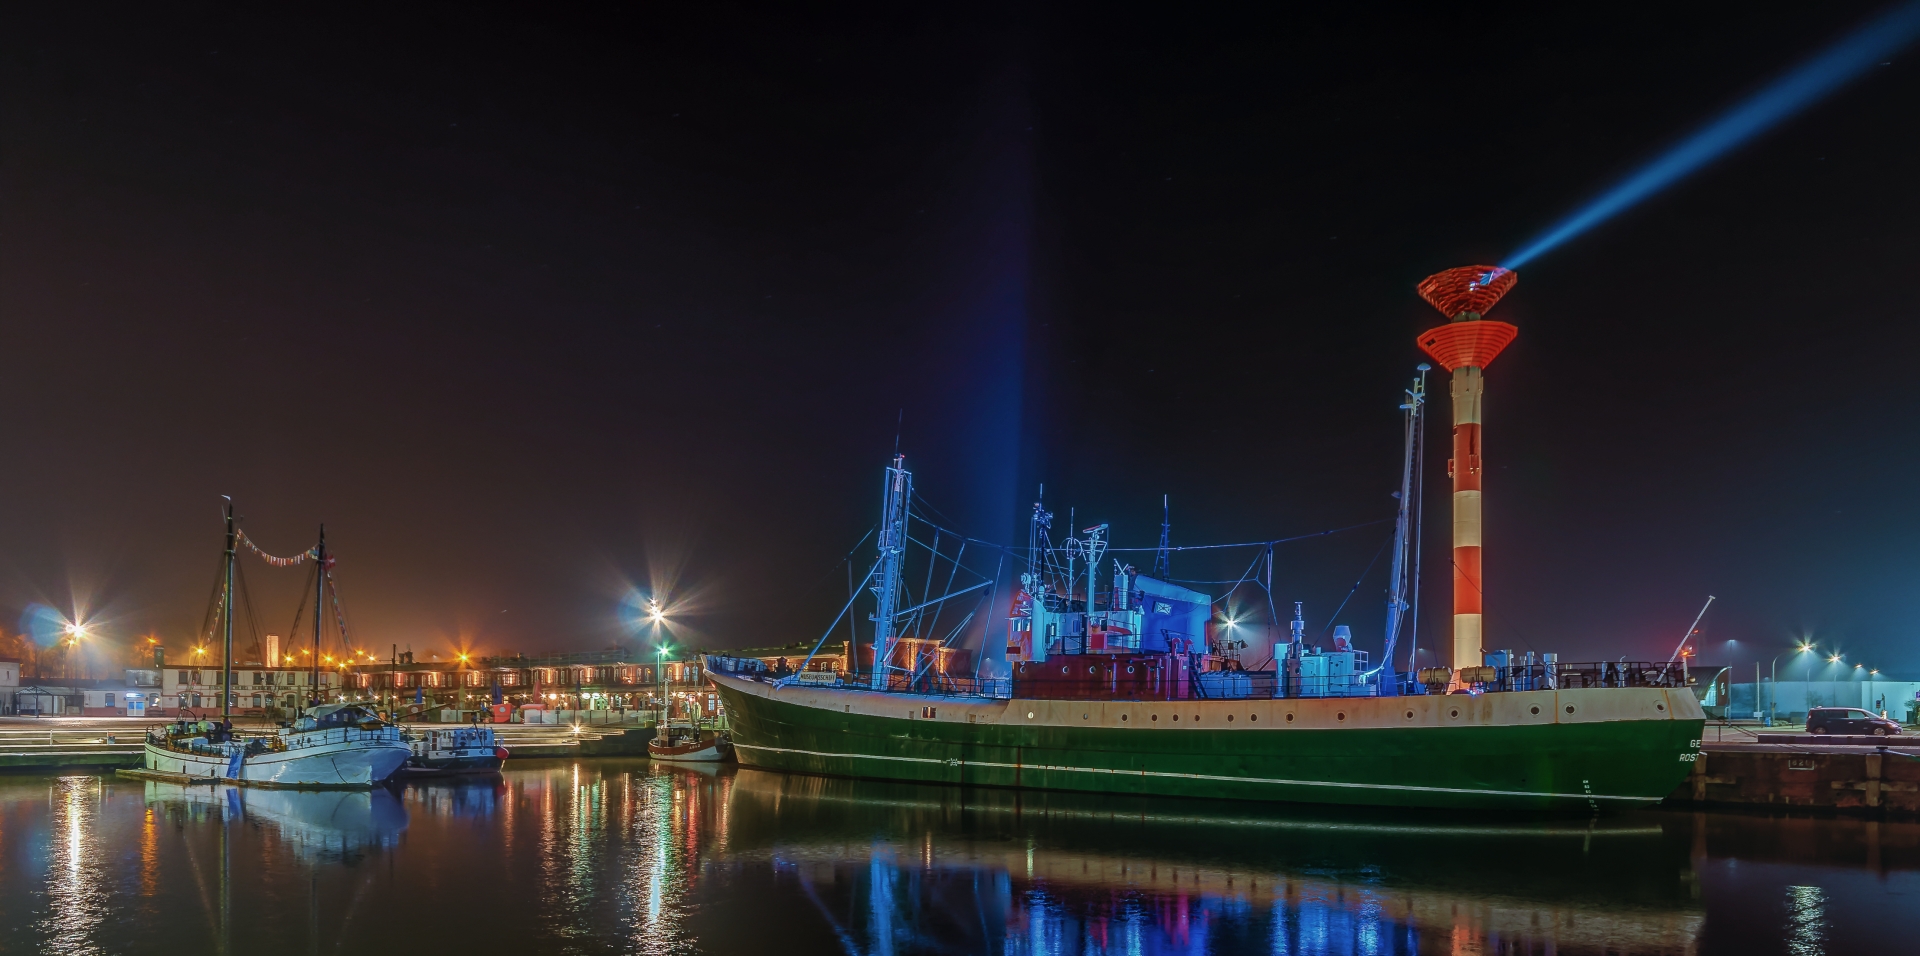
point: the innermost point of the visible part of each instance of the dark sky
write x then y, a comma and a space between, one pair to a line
533, 308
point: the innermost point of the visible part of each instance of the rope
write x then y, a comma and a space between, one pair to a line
1356, 586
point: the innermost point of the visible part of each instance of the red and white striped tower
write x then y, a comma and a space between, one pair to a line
1465, 346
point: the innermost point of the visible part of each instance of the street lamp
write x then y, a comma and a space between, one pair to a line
1773, 697
660, 675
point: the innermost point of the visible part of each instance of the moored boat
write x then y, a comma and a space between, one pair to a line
685, 743
454, 751
1124, 682
329, 747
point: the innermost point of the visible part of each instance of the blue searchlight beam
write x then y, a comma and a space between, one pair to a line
1760, 112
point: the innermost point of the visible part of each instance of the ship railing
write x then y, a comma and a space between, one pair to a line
1621, 674
1568, 675
324, 736
930, 683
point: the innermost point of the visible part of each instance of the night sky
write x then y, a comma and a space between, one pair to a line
533, 309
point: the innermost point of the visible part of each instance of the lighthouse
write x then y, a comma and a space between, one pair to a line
1465, 346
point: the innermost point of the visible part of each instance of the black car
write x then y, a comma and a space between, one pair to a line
1849, 720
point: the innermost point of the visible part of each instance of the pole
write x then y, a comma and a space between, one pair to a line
226, 657
1773, 691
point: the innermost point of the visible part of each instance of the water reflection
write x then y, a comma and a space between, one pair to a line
1069, 874
76, 897
619, 856
339, 825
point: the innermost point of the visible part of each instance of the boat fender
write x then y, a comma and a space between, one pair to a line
500, 752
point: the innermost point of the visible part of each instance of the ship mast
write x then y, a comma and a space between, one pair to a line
898, 490
226, 655
1404, 580
319, 589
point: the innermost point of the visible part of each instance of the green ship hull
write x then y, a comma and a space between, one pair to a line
1570, 750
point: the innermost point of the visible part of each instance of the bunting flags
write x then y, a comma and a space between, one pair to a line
299, 559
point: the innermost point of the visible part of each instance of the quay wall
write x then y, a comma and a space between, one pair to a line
1846, 779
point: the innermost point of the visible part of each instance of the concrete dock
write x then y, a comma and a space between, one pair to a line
41, 744
1877, 776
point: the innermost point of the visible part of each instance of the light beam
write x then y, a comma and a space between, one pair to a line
1779, 101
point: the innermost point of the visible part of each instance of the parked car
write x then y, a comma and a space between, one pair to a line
1849, 720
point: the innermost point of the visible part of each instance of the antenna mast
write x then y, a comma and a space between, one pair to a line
1403, 580
1162, 563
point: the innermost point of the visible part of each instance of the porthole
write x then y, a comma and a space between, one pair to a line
1123, 717
1409, 715
1229, 718
1029, 715
1289, 718
1196, 718
1089, 670
1176, 717
1659, 707
1253, 716
1455, 713
1129, 668
1155, 717
1340, 716
1569, 708
1536, 711
1063, 670
1083, 716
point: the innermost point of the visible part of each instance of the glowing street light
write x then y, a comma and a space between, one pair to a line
655, 612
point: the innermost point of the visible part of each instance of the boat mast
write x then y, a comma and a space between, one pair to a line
319, 589
1403, 579
893, 546
226, 656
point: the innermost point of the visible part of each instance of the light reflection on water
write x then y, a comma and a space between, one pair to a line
617, 856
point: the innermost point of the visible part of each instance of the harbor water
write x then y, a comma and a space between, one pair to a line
621, 856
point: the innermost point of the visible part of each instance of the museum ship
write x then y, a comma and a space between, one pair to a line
1119, 681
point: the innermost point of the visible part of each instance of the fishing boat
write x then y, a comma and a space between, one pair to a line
1119, 681
685, 743
329, 746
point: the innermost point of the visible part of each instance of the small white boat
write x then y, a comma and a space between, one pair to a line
684, 743
331, 746
454, 751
